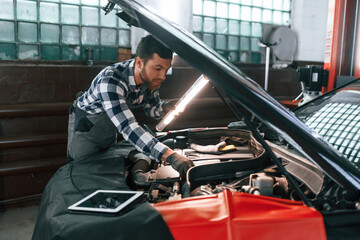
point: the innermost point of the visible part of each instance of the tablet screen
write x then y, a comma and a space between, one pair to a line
108, 201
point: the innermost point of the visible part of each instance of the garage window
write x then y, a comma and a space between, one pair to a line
60, 30
233, 27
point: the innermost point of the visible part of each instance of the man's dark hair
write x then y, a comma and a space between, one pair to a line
149, 45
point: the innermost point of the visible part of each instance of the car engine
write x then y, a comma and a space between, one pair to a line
244, 168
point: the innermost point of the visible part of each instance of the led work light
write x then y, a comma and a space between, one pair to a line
181, 104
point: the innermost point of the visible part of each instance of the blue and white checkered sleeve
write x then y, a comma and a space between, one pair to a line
112, 94
152, 105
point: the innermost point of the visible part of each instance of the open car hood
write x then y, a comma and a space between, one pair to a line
244, 91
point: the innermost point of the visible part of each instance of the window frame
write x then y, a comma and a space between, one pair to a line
246, 54
101, 52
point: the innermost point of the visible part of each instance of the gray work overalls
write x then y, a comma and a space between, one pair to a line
93, 133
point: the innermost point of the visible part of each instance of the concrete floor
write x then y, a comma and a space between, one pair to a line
18, 223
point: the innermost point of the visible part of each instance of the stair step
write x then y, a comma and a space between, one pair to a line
25, 141
16, 168
40, 109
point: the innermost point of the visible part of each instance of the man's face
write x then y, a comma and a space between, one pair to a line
153, 72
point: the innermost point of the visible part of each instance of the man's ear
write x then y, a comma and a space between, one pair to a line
139, 62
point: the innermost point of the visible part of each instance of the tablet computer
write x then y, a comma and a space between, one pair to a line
107, 201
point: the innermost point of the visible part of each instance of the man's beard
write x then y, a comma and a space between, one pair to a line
145, 79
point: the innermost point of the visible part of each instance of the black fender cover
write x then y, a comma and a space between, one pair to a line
104, 171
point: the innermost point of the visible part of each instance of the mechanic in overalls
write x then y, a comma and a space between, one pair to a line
98, 114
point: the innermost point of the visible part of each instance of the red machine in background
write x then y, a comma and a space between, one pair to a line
342, 52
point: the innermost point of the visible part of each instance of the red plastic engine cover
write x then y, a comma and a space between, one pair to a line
234, 215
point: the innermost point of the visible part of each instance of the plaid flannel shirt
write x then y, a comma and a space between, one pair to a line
114, 91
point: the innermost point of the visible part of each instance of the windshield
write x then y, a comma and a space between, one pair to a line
336, 117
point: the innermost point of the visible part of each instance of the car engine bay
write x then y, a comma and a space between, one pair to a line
243, 166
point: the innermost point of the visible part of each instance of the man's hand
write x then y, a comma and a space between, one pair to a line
180, 163
169, 105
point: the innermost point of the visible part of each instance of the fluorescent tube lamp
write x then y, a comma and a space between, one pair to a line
181, 104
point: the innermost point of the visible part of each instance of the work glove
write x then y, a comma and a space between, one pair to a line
169, 105
180, 163
212, 149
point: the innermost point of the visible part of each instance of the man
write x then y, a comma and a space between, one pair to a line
104, 109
